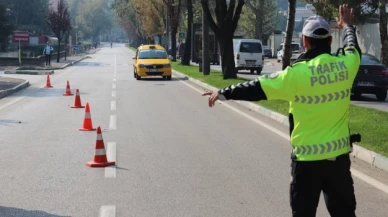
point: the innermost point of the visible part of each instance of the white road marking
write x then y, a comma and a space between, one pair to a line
113, 93
113, 105
113, 122
370, 180
114, 79
356, 173
113, 86
107, 211
110, 172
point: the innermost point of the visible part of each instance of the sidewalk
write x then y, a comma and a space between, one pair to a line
9, 86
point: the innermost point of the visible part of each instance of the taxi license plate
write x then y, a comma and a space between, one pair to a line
365, 84
154, 70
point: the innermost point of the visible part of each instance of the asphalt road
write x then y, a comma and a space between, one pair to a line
175, 156
271, 65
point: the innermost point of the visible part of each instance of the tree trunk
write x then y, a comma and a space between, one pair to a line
383, 34
227, 56
261, 22
173, 43
187, 51
59, 47
289, 33
257, 25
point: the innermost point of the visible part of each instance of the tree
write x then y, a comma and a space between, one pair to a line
259, 18
174, 11
59, 22
152, 15
227, 17
289, 33
129, 19
6, 28
383, 32
93, 18
187, 51
28, 15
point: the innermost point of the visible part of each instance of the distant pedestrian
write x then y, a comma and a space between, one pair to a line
47, 51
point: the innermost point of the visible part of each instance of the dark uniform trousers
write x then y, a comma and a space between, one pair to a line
332, 177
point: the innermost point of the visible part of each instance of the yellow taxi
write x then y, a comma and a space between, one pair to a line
151, 60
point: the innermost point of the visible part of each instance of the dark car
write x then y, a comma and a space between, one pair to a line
372, 78
268, 52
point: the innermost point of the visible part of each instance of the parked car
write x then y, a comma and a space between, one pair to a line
372, 78
296, 48
267, 52
151, 60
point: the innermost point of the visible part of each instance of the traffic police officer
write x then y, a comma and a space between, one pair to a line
318, 87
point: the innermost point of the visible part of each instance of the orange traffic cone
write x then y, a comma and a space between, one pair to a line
48, 83
77, 101
68, 91
100, 159
87, 126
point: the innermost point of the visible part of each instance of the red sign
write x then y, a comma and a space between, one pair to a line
21, 36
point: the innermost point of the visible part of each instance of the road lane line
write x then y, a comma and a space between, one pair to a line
114, 79
113, 86
371, 181
110, 172
113, 105
113, 93
107, 211
113, 122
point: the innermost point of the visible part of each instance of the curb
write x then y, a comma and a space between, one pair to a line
359, 152
5, 93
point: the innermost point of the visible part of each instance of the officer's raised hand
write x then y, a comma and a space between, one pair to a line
213, 97
346, 16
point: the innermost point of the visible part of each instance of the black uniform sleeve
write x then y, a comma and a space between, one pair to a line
248, 91
350, 40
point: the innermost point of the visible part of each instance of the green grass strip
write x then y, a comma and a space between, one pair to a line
372, 124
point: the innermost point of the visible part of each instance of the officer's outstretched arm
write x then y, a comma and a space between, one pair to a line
248, 91
279, 85
350, 41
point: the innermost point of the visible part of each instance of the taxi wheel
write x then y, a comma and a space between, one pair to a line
134, 74
168, 77
138, 77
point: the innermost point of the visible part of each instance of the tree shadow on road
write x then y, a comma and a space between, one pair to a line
17, 212
161, 79
44, 92
8, 122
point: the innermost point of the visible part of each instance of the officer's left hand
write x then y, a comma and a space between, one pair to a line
213, 97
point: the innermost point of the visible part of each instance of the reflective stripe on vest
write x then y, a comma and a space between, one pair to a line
323, 148
322, 98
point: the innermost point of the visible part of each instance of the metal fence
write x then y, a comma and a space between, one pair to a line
28, 51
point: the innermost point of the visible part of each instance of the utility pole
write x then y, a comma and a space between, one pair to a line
205, 45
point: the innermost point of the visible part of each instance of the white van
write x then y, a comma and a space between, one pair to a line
296, 48
248, 55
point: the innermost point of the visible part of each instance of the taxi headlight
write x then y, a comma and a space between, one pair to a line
141, 66
166, 66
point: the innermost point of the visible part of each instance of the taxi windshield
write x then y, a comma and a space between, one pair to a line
152, 54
